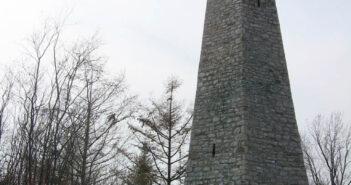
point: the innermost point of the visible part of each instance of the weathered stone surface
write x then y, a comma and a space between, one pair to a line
244, 129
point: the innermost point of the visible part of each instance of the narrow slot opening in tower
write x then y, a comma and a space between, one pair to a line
213, 150
259, 3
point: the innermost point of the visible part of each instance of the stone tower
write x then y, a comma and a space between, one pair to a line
244, 128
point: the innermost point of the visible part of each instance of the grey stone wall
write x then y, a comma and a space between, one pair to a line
244, 129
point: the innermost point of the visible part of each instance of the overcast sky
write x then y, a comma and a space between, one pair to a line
151, 39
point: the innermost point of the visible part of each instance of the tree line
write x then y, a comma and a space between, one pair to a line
65, 121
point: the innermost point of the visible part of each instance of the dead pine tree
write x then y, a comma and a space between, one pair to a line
166, 126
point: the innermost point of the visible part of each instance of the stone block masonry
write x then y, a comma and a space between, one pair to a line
244, 129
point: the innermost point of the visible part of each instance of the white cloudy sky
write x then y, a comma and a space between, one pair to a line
151, 39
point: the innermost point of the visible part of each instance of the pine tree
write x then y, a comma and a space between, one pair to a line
165, 125
142, 172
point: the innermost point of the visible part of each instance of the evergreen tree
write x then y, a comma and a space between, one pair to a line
142, 172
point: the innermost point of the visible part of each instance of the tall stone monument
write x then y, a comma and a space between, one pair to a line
244, 129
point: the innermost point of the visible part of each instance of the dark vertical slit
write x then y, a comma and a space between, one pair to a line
213, 150
259, 3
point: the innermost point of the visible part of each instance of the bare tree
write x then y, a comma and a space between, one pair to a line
166, 127
102, 106
327, 150
68, 108
5, 96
